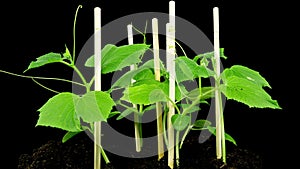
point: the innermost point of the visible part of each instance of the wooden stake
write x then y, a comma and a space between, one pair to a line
171, 69
138, 140
159, 123
97, 71
217, 93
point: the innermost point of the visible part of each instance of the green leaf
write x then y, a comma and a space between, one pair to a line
192, 109
247, 92
94, 106
69, 135
125, 113
146, 94
180, 122
114, 113
246, 73
202, 124
115, 58
187, 69
148, 108
59, 112
210, 55
144, 74
125, 80
227, 136
90, 62
206, 93
45, 59
67, 54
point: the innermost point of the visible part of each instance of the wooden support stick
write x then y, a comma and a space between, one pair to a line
137, 135
171, 69
217, 93
97, 71
159, 123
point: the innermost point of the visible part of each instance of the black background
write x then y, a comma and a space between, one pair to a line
259, 36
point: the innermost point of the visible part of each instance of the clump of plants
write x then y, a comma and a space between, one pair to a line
152, 85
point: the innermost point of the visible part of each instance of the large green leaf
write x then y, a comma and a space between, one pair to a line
187, 69
247, 73
115, 58
94, 106
146, 94
247, 92
59, 112
45, 59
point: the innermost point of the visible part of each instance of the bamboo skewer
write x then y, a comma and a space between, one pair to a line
171, 69
217, 92
159, 123
97, 87
138, 141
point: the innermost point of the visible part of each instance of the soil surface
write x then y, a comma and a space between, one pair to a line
77, 153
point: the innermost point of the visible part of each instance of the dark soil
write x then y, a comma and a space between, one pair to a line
77, 153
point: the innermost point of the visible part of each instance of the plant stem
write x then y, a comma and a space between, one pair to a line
164, 126
177, 147
43, 78
159, 123
104, 156
74, 33
87, 86
138, 132
47, 88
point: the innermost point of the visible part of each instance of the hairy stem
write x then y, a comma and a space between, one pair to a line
43, 78
74, 33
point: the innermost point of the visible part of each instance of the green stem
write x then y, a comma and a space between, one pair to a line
188, 129
164, 126
177, 148
74, 33
104, 156
222, 129
138, 127
87, 85
181, 48
43, 78
47, 88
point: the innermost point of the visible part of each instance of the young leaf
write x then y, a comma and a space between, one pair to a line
187, 69
202, 124
180, 122
115, 58
45, 59
247, 92
246, 73
206, 93
125, 80
144, 75
210, 55
69, 135
125, 113
227, 136
67, 54
59, 112
94, 106
191, 110
114, 113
